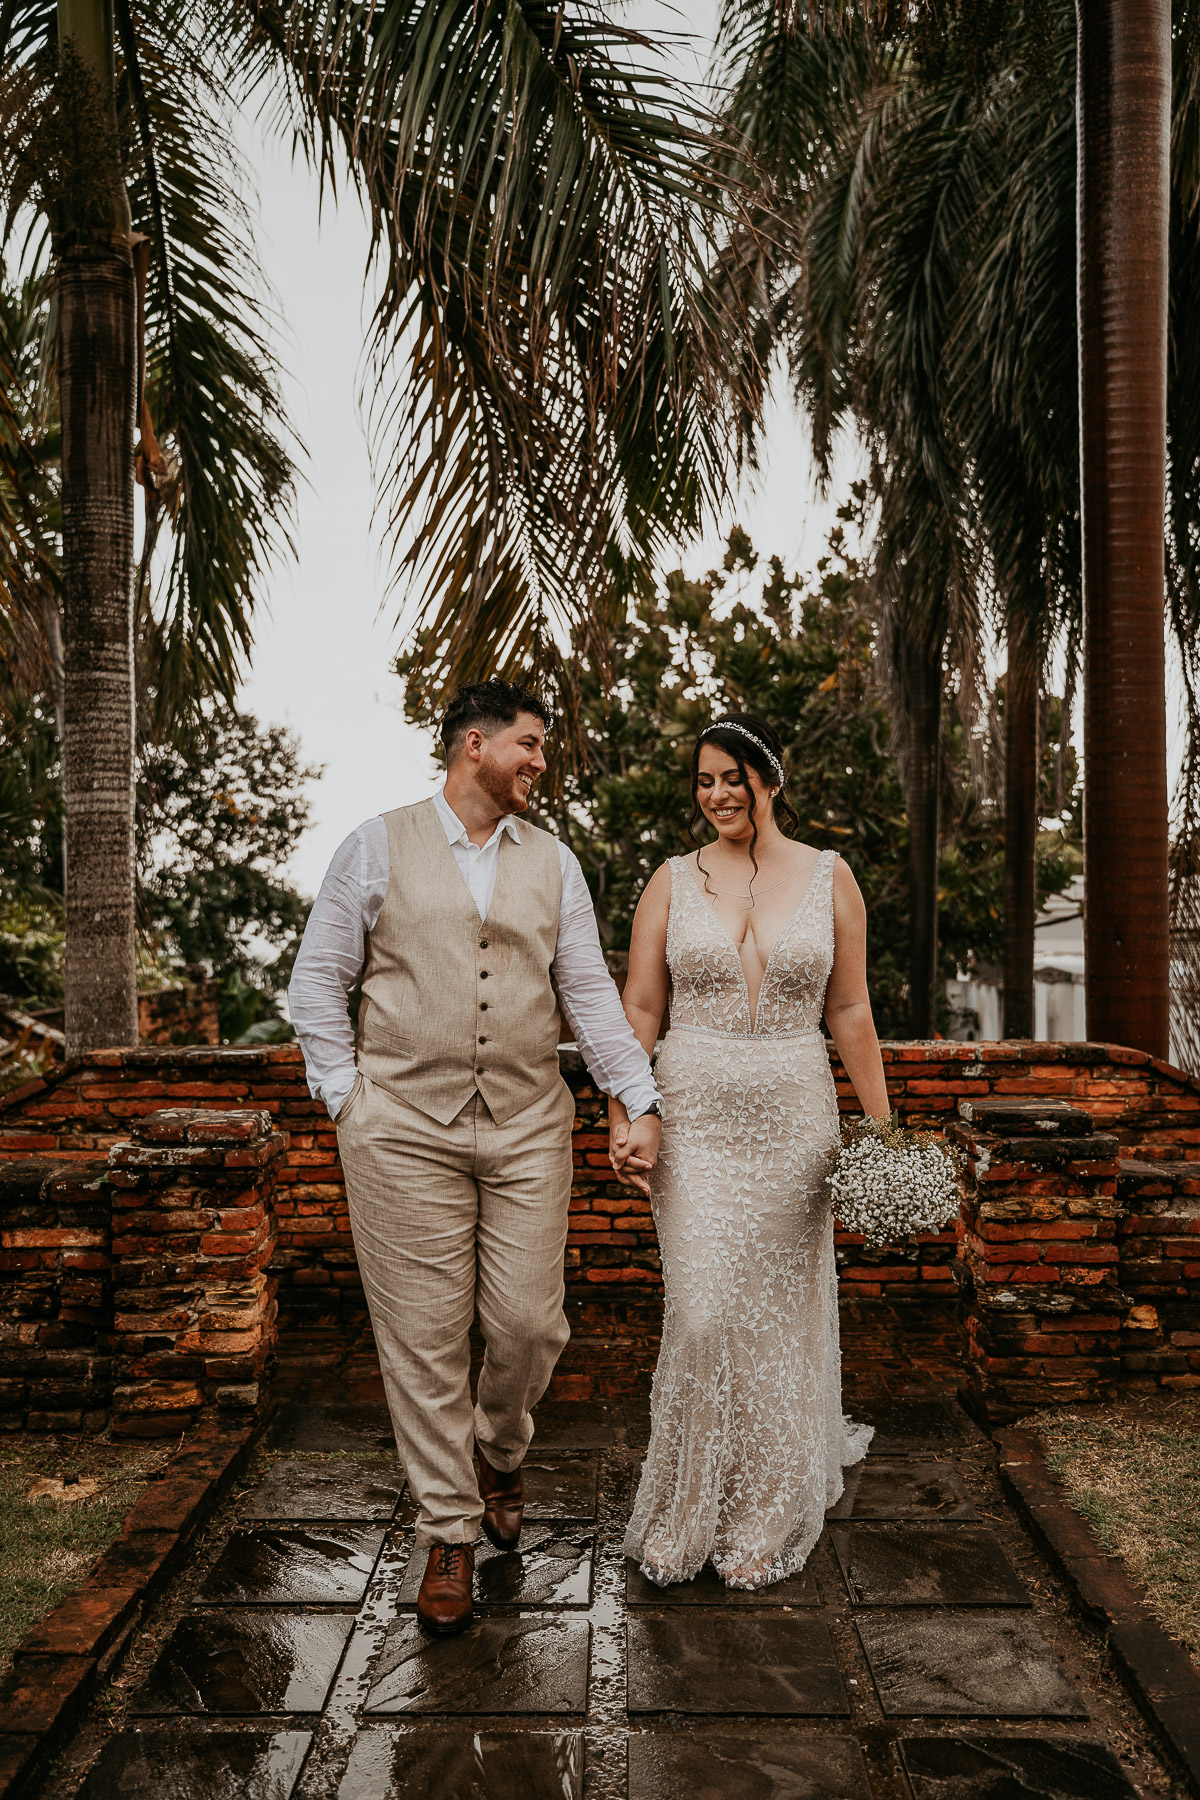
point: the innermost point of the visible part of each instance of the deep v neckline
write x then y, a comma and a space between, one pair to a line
753, 1012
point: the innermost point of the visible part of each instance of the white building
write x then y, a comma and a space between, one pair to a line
1058, 1002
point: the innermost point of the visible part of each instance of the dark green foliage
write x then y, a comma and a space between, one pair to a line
220, 810
803, 657
220, 813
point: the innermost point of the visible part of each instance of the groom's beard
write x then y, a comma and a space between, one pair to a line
506, 792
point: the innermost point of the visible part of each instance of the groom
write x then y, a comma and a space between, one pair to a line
470, 931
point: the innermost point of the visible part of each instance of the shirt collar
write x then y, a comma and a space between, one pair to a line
456, 831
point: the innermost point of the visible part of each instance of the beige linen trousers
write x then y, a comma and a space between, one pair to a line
456, 1148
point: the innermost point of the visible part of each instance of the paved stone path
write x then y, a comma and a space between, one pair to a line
926, 1653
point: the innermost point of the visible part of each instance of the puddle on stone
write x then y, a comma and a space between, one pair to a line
926, 1565
461, 1764
902, 1426
772, 1664
559, 1487
322, 1565
1003, 1768
549, 1569
707, 1589
575, 1425
237, 1661
304, 1488
947, 1664
498, 1665
903, 1490
328, 1427
676, 1767
178, 1765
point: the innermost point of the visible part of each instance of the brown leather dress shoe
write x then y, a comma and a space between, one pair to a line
444, 1602
503, 1499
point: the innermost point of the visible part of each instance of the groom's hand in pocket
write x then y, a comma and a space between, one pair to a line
633, 1150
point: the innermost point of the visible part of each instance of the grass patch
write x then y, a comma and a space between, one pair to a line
48, 1545
1138, 1486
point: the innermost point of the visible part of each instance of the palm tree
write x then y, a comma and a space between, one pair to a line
1124, 202
928, 294
547, 358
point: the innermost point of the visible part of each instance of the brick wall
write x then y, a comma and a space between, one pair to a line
187, 1014
1077, 1265
80, 1110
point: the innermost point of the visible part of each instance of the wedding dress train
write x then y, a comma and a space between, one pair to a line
747, 1438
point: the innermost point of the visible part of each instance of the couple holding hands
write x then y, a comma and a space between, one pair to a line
472, 931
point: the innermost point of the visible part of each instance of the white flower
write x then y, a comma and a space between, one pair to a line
888, 1183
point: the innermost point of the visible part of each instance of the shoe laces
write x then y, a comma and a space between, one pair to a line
446, 1557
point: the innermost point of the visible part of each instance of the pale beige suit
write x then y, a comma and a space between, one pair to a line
456, 1147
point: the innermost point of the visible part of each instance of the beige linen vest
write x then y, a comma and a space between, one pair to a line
452, 1003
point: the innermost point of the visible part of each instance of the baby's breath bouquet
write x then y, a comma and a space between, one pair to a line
888, 1183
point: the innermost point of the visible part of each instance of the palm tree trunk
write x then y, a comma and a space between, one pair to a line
920, 669
1020, 831
1124, 99
97, 396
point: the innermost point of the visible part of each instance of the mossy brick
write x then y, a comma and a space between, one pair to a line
84, 1624
45, 1693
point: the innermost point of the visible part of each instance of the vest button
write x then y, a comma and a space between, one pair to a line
483, 974
483, 943
483, 1040
483, 1006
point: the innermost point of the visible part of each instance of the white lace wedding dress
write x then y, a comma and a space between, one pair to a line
747, 1437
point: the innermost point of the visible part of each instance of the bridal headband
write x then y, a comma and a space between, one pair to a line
744, 731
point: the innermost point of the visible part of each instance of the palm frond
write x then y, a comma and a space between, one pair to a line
223, 488
548, 390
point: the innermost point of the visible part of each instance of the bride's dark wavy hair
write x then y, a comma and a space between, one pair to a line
753, 751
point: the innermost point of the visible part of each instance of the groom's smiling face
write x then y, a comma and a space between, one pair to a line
510, 762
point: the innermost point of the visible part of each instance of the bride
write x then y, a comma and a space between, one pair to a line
752, 936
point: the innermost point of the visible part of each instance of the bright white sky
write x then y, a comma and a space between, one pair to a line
326, 637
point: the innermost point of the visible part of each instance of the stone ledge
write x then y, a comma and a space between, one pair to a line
58, 1663
1161, 1675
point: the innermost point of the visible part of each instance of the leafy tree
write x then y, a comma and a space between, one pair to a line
805, 657
924, 157
220, 810
219, 817
548, 372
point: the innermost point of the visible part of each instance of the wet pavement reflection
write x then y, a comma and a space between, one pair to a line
922, 1653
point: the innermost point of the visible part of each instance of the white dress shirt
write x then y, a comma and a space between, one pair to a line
331, 957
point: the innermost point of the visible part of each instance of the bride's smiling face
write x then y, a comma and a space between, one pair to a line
723, 797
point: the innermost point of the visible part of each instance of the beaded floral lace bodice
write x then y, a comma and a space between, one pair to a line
708, 983
747, 1440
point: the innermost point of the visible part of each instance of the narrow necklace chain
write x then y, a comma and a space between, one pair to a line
728, 893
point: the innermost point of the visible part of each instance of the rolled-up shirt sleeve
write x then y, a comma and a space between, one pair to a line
330, 961
590, 1002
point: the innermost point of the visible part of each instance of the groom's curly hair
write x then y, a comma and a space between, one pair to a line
487, 706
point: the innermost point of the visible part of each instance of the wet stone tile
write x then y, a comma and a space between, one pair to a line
904, 1426
745, 1768
177, 1765
707, 1589
636, 1414
323, 1565
353, 1427
576, 1425
949, 1664
903, 1490
465, 1764
246, 1662
773, 1664
549, 1569
496, 1666
1012, 1768
559, 1487
301, 1488
926, 1565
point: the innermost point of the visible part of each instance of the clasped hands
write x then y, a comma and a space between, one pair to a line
633, 1146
